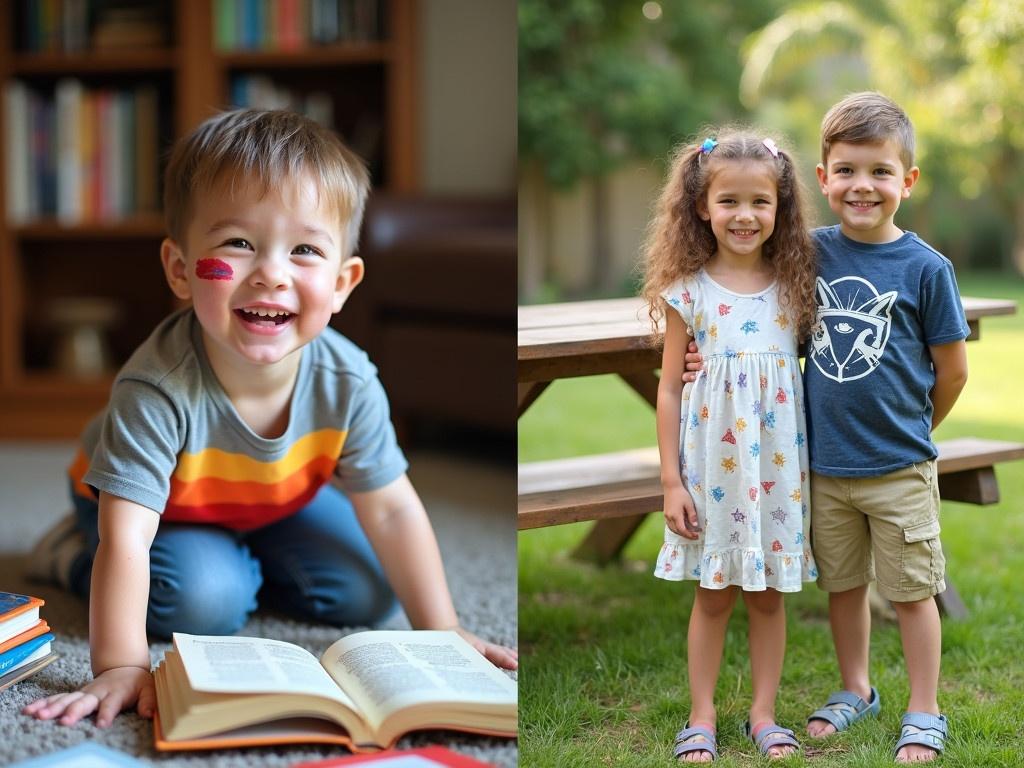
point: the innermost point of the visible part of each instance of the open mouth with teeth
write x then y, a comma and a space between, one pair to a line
266, 317
744, 232
862, 205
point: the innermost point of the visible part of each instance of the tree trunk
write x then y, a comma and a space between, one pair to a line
602, 277
534, 232
1018, 236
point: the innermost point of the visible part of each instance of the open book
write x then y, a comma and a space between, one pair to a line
366, 690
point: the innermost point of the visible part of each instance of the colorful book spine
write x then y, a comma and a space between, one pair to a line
69, 96
16, 136
225, 24
290, 25
78, 154
28, 651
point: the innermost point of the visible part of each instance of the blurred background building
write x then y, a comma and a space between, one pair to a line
607, 87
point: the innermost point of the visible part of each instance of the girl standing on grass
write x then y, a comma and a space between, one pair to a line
729, 254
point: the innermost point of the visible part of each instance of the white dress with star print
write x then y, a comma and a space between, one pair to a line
742, 444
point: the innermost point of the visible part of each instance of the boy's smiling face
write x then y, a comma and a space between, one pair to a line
864, 184
264, 274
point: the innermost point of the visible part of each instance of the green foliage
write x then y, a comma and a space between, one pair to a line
600, 84
953, 65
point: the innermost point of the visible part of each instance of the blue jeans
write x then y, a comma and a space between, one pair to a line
316, 565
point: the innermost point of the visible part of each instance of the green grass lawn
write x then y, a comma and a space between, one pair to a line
603, 653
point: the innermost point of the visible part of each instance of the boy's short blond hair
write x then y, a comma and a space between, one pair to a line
266, 148
868, 117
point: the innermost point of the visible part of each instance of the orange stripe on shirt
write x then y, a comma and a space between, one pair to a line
238, 467
214, 490
238, 517
76, 472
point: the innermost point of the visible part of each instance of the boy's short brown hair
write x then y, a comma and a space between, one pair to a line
868, 117
265, 147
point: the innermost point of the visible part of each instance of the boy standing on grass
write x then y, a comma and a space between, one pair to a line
884, 366
206, 481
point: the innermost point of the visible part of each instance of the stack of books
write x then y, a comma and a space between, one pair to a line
24, 638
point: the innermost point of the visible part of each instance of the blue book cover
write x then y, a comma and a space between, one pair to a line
12, 604
10, 601
19, 653
85, 755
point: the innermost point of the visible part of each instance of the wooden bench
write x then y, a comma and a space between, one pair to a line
628, 483
621, 488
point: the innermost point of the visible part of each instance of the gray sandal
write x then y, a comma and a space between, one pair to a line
683, 745
844, 708
772, 735
924, 729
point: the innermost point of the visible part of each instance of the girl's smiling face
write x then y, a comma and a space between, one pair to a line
264, 274
740, 206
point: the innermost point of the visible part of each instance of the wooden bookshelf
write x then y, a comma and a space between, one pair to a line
47, 260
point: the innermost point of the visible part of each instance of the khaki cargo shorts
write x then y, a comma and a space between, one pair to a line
883, 528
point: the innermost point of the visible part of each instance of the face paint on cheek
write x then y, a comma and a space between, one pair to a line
213, 269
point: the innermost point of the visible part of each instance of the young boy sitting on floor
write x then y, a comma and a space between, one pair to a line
206, 481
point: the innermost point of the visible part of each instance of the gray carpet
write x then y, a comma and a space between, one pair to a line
472, 509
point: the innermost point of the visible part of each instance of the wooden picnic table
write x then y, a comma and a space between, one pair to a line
614, 336
587, 338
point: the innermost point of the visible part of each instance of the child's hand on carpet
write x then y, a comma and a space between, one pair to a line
108, 694
506, 658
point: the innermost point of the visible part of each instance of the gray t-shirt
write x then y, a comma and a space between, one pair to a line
171, 440
868, 374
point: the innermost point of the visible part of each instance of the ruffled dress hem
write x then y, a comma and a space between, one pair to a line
749, 568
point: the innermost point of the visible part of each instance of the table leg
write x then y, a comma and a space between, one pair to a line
644, 384
972, 486
950, 603
528, 392
607, 539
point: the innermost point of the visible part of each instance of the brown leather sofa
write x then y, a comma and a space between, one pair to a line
436, 311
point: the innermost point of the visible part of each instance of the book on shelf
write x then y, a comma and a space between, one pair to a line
53, 26
25, 638
17, 132
260, 92
80, 154
364, 692
292, 25
131, 25
425, 757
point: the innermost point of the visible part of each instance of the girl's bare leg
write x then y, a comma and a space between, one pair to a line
705, 642
767, 639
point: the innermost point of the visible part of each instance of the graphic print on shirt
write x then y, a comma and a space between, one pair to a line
854, 321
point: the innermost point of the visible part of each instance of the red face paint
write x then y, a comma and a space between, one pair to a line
213, 269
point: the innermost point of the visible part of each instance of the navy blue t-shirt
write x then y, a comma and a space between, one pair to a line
868, 373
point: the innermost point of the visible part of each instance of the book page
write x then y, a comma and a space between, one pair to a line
385, 671
254, 665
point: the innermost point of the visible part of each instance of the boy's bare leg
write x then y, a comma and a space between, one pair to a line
921, 633
767, 639
850, 616
705, 640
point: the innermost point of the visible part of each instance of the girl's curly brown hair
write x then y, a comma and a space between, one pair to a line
679, 242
